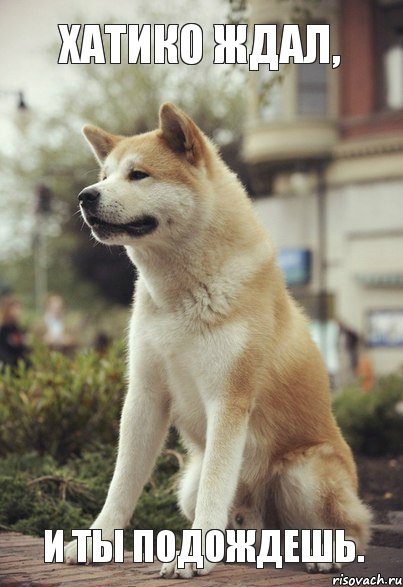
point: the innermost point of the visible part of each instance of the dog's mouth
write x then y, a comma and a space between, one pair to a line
137, 227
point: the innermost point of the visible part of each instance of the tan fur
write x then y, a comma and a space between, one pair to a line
218, 339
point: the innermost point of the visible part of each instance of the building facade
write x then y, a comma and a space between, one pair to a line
324, 149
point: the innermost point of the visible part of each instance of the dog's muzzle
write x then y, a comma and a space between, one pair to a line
104, 229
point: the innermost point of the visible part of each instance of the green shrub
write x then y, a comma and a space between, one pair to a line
33, 496
369, 420
37, 494
59, 420
58, 405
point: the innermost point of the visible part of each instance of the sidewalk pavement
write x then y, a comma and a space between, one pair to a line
21, 564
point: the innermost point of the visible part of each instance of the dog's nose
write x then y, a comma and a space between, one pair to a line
88, 197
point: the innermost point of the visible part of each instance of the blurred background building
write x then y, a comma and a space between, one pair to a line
325, 160
322, 154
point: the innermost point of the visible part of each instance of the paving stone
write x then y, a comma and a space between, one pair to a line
21, 564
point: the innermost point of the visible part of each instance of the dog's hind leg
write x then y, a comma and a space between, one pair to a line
318, 489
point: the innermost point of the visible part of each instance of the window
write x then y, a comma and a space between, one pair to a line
389, 28
296, 90
270, 94
312, 89
270, 88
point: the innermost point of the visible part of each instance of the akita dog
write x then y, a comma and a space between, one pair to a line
217, 347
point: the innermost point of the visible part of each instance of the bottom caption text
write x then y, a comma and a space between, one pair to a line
231, 546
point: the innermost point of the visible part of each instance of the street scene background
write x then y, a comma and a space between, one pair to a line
320, 151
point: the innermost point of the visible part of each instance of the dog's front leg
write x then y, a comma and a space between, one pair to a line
227, 422
143, 427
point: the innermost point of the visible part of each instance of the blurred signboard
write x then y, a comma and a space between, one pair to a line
385, 328
296, 265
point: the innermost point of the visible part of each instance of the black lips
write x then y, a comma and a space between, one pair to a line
138, 227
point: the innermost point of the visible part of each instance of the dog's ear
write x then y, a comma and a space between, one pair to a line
101, 142
181, 133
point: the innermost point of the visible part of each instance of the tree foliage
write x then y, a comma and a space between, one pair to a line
123, 99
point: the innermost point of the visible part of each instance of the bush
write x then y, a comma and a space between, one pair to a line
58, 405
370, 421
37, 494
59, 420
33, 496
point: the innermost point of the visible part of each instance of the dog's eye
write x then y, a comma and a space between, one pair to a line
136, 175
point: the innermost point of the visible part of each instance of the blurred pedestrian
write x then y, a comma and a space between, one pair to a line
53, 320
365, 369
55, 334
351, 342
348, 345
13, 345
102, 342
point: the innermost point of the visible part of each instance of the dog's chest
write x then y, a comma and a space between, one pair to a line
198, 364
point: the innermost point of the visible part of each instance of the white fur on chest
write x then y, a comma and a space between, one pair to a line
183, 316
197, 364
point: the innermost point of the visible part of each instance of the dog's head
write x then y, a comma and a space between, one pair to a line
153, 186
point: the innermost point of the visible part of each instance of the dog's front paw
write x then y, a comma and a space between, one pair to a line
171, 569
323, 567
70, 553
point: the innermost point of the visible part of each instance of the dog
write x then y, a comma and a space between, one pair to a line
217, 347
